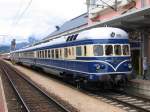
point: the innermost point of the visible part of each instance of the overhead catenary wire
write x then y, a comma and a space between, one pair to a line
19, 17
17, 13
24, 11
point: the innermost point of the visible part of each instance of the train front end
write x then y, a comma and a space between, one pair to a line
111, 61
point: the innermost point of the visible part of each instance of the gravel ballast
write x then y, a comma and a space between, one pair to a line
79, 100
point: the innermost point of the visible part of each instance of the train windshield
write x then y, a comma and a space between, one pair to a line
125, 49
98, 50
117, 49
109, 50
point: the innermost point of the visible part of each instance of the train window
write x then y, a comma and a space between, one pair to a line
65, 52
45, 53
125, 49
109, 50
69, 51
85, 51
49, 53
117, 49
72, 51
42, 54
52, 53
98, 50
60, 53
78, 51
38, 54
57, 53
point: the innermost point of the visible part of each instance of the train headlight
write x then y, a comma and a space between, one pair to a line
99, 66
129, 65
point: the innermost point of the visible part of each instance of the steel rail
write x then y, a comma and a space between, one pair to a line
109, 97
17, 92
127, 104
39, 89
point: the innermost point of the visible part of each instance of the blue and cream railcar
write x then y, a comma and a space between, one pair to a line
97, 54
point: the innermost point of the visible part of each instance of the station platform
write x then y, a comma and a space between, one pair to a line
139, 87
3, 106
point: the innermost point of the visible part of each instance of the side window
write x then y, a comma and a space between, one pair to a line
85, 50
72, 51
109, 50
125, 49
45, 53
117, 49
49, 53
37, 54
65, 52
78, 51
60, 53
40, 54
98, 50
52, 53
57, 53
69, 51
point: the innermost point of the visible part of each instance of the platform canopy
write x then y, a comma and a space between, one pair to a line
139, 19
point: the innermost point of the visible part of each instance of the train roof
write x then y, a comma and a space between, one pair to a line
94, 33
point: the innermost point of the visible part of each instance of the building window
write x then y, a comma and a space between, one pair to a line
117, 49
98, 50
78, 51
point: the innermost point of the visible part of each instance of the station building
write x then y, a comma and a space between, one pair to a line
130, 15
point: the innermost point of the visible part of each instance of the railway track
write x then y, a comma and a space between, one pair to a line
125, 101
120, 99
33, 99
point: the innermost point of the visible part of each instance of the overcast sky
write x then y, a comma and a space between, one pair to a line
38, 20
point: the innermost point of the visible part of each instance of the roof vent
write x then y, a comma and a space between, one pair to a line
57, 27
